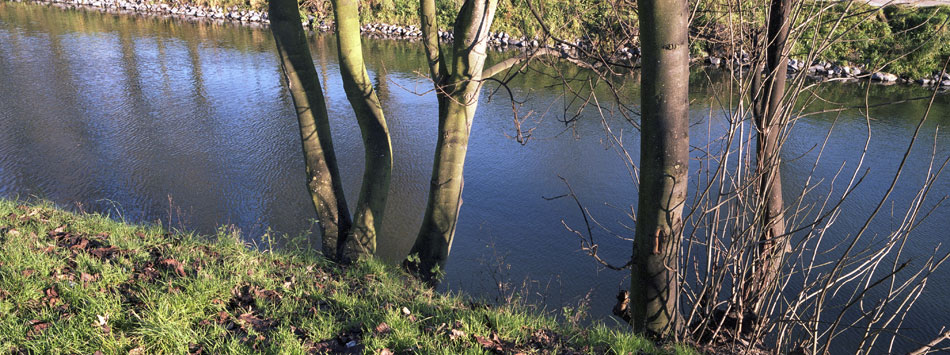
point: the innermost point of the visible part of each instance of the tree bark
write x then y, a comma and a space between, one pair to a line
664, 162
767, 113
377, 171
323, 176
457, 92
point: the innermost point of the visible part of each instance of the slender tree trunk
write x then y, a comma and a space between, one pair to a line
323, 176
369, 114
457, 93
664, 162
768, 113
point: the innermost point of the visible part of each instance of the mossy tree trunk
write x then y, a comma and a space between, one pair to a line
377, 171
457, 90
323, 176
664, 159
768, 118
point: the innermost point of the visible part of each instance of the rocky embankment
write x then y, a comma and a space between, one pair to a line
497, 40
823, 70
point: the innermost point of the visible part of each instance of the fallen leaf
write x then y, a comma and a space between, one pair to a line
493, 343
51, 296
172, 263
268, 295
383, 328
86, 278
385, 351
406, 311
37, 326
27, 272
60, 229
223, 317
455, 334
104, 252
256, 322
137, 351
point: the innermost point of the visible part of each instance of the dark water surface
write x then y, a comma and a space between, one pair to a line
162, 120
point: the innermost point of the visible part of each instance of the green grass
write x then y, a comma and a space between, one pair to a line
81, 283
900, 39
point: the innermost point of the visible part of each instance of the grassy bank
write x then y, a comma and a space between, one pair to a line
82, 283
910, 41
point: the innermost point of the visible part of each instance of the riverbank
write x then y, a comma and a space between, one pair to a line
84, 283
851, 59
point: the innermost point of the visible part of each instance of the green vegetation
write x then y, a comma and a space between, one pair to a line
867, 35
880, 37
80, 283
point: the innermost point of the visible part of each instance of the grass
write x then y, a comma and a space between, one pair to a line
909, 41
82, 283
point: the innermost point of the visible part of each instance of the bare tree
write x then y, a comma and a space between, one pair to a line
664, 165
323, 175
767, 104
378, 157
741, 288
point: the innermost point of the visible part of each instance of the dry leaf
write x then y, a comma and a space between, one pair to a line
383, 328
455, 334
172, 263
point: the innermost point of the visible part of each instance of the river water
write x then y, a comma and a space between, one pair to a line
189, 124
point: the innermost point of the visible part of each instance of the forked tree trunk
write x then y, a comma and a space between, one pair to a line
377, 171
664, 162
323, 176
768, 113
457, 91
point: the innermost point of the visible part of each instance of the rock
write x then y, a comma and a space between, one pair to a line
924, 81
945, 83
714, 61
885, 77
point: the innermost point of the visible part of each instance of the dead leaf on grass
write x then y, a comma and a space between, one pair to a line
492, 343
87, 278
36, 327
175, 265
383, 328
456, 334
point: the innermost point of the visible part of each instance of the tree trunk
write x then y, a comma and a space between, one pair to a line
369, 114
457, 93
767, 112
323, 176
664, 162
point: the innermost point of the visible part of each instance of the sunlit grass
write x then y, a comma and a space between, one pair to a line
80, 283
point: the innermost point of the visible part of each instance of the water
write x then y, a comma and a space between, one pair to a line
188, 124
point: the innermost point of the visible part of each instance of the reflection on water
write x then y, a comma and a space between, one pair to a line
158, 120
